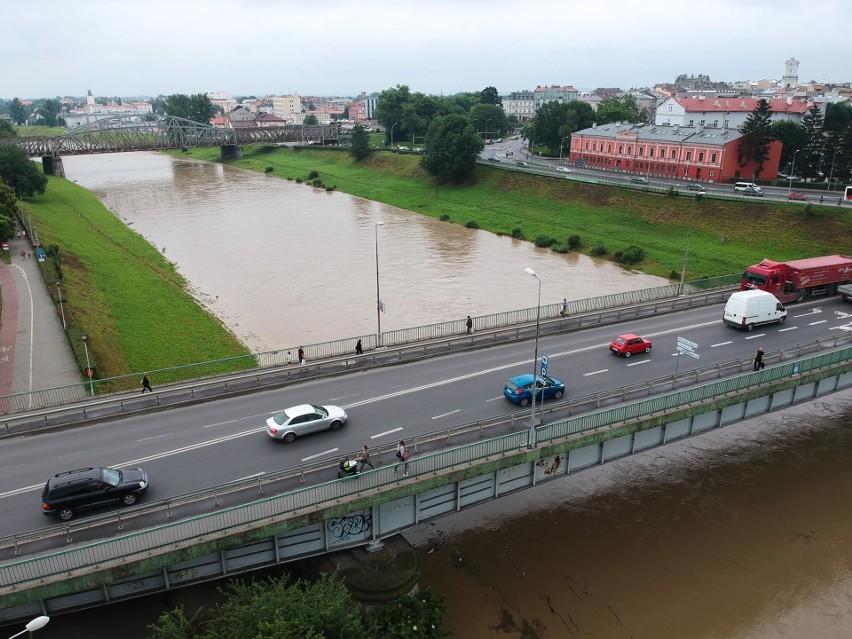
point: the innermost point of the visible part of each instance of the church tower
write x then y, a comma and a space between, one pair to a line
791, 74
90, 101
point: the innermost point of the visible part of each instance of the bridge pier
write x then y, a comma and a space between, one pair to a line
52, 165
231, 152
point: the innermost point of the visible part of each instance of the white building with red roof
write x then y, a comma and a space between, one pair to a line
723, 112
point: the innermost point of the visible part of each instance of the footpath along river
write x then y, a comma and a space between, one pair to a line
743, 533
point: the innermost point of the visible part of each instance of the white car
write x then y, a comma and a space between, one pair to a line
563, 169
307, 418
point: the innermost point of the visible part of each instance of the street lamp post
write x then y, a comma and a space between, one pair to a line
686, 250
85, 338
831, 172
391, 132
61, 309
32, 626
532, 444
486, 128
792, 172
562, 147
378, 297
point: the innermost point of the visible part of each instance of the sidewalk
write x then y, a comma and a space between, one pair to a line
34, 353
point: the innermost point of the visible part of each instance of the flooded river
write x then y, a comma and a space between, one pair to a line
284, 264
743, 533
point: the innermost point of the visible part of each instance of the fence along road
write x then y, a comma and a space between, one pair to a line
61, 406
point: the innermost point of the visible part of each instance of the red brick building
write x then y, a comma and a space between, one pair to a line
676, 152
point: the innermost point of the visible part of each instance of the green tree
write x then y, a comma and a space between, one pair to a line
452, 147
489, 95
838, 116
490, 119
756, 136
7, 130
551, 125
810, 158
618, 108
411, 617
417, 115
8, 200
389, 109
792, 137
7, 228
458, 103
311, 120
49, 111
197, 108
360, 147
18, 112
18, 172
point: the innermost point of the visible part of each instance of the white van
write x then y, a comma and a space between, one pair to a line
747, 309
747, 187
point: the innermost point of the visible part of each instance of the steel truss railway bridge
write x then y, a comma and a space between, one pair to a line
120, 134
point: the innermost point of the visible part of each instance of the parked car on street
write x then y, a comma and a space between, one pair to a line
639, 180
303, 419
802, 197
563, 169
521, 163
519, 389
697, 188
629, 344
66, 494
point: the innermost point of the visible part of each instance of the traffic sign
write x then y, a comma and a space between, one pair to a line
543, 364
690, 353
686, 344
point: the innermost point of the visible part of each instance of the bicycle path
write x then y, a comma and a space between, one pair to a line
34, 352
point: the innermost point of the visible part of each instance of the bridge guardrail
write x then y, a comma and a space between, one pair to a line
596, 417
62, 406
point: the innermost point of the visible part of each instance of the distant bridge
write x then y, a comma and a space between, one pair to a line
151, 132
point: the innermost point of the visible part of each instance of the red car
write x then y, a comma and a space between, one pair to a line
797, 196
629, 343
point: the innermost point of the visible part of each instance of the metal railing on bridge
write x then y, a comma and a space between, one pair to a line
276, 367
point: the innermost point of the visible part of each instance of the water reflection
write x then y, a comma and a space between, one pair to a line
283, 264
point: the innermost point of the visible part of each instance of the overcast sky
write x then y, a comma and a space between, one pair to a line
343, 47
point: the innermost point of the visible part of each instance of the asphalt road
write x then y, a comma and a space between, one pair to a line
214, 443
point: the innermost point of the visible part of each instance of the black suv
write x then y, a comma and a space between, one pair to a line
66, 493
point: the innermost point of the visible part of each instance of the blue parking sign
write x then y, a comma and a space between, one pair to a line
543, 364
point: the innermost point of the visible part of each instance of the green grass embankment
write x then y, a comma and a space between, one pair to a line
121, 290
726, 236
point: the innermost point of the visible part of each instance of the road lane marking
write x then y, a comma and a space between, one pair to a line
387, 432
720, 344
603, 370
789, 328
148, 439
645, 361
230, 421
452, 412
812, 312
815, 323
756, 336
260, 474
325, 453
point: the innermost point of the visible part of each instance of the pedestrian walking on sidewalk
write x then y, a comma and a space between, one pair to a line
469, 324
301, 356
146, 384
758, 360
359, 350
364, 458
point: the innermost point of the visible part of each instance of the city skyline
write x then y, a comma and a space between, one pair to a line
341, 47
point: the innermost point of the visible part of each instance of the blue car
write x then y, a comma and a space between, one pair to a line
519, 389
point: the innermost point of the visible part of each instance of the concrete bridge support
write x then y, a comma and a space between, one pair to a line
53, 165
231, 152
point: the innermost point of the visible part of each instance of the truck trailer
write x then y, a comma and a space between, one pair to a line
797, 280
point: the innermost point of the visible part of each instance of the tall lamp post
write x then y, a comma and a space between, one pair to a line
85, 338
831, 172
792, 172
686, 250
531, 273
61, 309
562, 147
32, 626
378, 297
487, 122
391, 134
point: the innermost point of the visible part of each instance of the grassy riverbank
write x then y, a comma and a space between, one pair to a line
120, 290
726, 236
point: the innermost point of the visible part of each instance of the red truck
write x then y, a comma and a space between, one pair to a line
799, 279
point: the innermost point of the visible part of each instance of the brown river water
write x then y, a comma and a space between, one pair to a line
742, 533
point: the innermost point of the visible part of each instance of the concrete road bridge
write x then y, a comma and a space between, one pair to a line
120, 134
